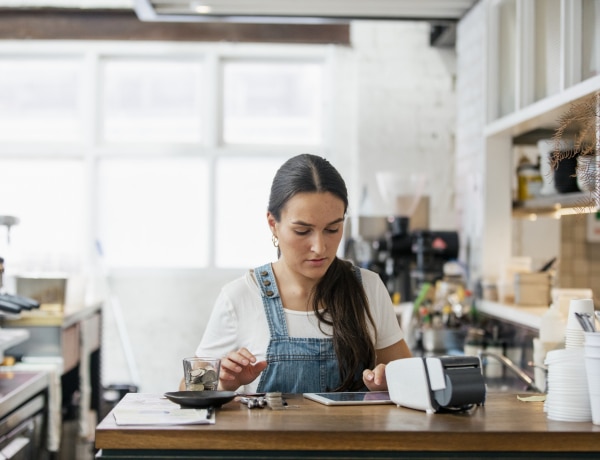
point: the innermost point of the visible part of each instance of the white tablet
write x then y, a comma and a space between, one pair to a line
350, 398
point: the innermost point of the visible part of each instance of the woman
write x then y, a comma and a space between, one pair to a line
309, 322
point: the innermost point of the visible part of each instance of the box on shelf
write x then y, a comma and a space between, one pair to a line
43, 289
532, 288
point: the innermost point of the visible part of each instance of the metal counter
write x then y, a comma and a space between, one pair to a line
17, 387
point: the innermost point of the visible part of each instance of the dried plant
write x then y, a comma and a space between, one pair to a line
580, 127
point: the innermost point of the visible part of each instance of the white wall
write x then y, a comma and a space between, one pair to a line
470, 122
406, 112
395, 110
163, 316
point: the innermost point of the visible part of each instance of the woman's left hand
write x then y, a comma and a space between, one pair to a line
375, 379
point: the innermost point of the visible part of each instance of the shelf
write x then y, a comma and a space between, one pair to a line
528, 316
580, 202
542, 116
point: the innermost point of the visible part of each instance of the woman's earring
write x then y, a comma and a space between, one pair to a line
275, 241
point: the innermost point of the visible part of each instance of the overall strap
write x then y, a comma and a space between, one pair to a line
271, 300
266, 281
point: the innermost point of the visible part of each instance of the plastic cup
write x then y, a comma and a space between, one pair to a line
201, 374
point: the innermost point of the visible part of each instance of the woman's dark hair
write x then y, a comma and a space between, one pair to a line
339, 298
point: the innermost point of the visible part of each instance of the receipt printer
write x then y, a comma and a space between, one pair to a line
434, 384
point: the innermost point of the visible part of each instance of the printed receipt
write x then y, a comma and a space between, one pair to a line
151, 409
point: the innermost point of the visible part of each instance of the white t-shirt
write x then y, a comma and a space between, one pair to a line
238, 320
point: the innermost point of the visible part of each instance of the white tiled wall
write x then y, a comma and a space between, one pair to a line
579, 265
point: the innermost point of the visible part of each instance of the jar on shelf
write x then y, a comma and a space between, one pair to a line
529, 179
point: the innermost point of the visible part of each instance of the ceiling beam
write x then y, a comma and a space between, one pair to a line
77, 24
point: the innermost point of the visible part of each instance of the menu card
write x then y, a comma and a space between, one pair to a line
152, 409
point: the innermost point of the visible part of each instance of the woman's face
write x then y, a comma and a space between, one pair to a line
309, 232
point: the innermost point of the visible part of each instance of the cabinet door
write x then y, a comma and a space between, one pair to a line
542, 37
503, 58
538, 49
590, 40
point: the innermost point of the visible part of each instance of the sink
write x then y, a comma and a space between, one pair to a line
510, 377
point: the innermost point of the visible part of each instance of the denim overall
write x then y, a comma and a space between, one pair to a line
296, 364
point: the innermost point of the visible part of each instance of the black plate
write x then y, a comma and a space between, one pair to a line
200, 398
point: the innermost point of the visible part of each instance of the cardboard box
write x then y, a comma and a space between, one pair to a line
532, 288
42, 289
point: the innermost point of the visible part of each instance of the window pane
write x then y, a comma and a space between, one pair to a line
48, 198
152, 101
273, 103
39, 100
243, 239
154, 213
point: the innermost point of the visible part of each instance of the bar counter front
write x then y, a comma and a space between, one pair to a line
505, 427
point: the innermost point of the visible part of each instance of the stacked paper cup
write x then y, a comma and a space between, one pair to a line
592, 368
568, 397
574, 333
568, 385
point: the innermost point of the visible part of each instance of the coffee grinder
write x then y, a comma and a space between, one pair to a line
394, 249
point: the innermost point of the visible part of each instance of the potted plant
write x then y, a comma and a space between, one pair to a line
580, 127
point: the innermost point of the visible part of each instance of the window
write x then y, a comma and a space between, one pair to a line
152, 100
273, 103
162, 155
154, 212
47, 195
39, 99
242, 195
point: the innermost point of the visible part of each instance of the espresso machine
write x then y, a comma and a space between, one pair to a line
407, 259
432, 249
397, 243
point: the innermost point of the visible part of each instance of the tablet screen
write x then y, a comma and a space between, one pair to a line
350, 398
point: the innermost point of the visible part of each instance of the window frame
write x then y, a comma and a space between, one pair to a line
91, 149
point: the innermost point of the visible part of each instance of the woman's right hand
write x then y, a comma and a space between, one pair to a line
239, 368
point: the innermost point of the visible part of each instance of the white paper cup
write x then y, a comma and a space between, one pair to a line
595, 406
592, 338
579, 306
592, 369
564, 356
592, 352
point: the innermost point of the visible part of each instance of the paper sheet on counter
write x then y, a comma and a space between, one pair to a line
532, 398
148, 409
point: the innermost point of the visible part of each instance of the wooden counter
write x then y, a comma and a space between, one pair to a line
504, 425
